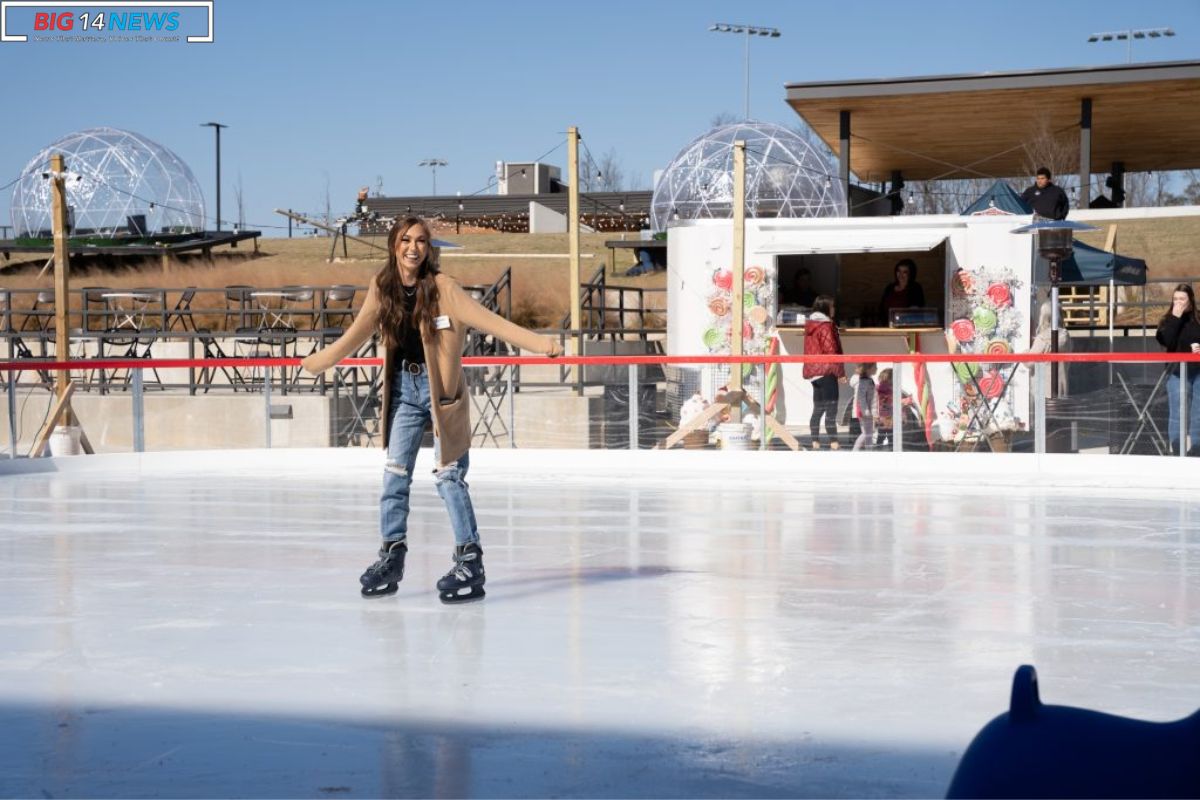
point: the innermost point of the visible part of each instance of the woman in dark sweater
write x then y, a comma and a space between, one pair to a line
1179, 332
905, 292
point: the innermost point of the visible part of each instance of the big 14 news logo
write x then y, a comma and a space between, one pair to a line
129, 21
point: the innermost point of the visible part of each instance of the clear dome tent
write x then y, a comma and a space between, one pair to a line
785, 177
113, 176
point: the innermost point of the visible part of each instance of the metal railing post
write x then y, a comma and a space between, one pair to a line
898, 407
139, 412
267, 403
1183, 404
1039, 408
761, 369
192, 367
512, 409
633, 407
12, 412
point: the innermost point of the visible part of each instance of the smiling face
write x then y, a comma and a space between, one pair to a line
903, 273
412, 248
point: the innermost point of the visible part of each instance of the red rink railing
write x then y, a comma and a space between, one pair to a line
136, 367
74, 365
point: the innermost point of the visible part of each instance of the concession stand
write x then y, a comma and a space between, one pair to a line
976, 278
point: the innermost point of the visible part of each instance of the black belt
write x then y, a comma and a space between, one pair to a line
412, 367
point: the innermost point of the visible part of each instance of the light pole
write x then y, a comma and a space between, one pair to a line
433, 164
748, 30
1128, 36
216, 126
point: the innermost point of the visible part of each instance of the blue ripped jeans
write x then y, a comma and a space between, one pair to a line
1193, 410
409, 417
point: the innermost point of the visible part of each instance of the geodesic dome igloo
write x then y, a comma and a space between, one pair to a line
121, 174
785, 177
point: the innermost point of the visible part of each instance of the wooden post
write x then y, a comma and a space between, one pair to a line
737, 346
62, 296
63, 387
573, 238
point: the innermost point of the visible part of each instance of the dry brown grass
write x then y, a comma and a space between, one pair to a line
539, 285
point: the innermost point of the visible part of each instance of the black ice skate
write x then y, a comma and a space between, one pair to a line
465, 581
383, 577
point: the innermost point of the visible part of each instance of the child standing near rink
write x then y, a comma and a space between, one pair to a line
864, 404
883, 408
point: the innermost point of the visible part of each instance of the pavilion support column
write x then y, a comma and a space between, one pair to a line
844, 158
1085, 153
1118, 183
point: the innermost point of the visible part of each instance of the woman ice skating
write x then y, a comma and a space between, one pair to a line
423, 317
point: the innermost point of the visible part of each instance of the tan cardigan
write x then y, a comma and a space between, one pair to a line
443, 356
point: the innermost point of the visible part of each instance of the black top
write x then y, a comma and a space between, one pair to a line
913, 296
1177, 334
410, 341
1050, 202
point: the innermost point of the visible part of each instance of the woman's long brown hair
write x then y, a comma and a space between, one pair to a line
1186, 288
392, 318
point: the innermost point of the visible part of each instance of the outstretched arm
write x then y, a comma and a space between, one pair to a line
478, 317
359, 332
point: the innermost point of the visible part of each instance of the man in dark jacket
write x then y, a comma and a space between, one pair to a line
1046, 199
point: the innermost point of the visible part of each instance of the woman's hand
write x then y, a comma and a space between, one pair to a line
554, 350
1178, 307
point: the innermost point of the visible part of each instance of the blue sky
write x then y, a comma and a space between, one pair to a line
355, 90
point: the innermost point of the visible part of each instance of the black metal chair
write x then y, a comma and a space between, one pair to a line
238, 305
299, 301
248, 343
41, 315
182, 312
212, 349
93, 297
337, 303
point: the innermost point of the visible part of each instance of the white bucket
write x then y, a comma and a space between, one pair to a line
64, 441
734, 435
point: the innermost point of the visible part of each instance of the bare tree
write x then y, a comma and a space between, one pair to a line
1191, 187
610, 173
814, 140
1058, 151
943, 196
328, 202
723, 118
1151, 189
237, 193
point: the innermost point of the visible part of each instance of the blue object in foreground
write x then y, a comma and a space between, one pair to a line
1038, 750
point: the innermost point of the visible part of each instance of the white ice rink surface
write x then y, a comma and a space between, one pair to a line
657, 624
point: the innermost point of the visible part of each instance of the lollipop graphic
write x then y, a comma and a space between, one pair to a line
963, 330
992, 385
984, 319
718, 306
999, 294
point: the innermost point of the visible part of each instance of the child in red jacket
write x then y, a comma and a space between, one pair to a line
821, 339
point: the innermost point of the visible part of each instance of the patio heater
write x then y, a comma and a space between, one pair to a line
1054, 241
